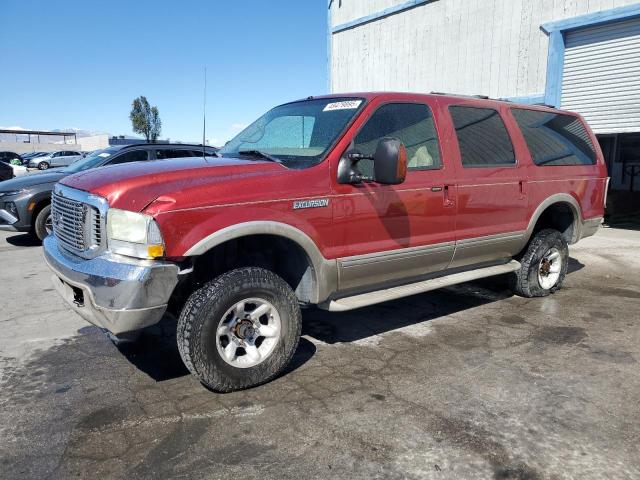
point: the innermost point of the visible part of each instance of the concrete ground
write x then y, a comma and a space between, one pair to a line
466, 382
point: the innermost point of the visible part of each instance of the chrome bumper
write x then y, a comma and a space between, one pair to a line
117, 293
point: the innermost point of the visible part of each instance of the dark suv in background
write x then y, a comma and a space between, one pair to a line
25, 201
6, 171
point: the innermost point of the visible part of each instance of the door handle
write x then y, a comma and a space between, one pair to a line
446, 200
521, 184
436, 189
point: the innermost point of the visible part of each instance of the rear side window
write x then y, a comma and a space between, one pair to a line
482, 137
172, 153
555, 138
131, 156
412, 124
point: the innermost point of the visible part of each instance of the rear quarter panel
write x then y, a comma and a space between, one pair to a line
585, 183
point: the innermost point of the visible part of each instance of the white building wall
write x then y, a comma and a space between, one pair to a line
93, 142
22, 147
487, 47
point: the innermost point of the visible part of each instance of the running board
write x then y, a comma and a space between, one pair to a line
371, 298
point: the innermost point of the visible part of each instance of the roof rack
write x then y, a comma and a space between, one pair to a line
542, 104
481, 97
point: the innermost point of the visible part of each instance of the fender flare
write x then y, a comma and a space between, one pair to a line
324, 272
553, 199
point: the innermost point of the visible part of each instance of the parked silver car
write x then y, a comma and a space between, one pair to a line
55, 159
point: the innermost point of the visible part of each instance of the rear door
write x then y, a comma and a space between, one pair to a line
491, 185
396, 232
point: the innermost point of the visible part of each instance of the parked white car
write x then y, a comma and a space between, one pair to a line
55, 159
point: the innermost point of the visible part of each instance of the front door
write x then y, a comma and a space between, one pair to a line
395, 232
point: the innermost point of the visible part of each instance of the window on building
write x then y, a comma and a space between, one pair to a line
555, 138
412, 124
482, 137
131, 156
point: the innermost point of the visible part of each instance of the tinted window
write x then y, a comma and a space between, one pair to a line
412, 124
555, 138
132, 156
482, 137
198, 153
172, 153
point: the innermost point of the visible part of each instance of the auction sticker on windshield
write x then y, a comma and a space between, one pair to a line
346, 105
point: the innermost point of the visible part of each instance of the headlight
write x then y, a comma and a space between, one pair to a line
133, 234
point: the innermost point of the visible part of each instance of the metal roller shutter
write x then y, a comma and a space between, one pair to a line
601, 77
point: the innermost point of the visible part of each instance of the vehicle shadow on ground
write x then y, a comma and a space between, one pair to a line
24, 240
355, 325
351, 326
156, 352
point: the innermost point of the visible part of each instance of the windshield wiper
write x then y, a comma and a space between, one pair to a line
259, 154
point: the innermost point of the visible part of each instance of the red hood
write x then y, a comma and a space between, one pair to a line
134, 186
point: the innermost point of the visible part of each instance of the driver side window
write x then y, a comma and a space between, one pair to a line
412, 124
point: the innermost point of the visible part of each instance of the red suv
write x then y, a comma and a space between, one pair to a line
339, 201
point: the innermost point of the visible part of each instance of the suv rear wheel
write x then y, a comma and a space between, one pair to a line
544, 265
239, 330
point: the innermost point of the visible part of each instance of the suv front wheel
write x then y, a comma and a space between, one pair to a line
239, 330
543, 265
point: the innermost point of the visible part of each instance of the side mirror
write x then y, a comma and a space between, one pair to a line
390, 162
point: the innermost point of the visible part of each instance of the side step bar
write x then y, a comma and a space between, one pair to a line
371, 298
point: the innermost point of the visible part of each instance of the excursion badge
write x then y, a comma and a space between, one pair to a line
316, 203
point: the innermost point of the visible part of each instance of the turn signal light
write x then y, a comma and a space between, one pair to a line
155, 251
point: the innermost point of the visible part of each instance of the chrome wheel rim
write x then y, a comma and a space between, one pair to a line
549, 268
248, 332
48, 225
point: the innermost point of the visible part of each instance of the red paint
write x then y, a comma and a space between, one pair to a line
193, 198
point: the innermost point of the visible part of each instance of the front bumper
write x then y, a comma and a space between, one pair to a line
117, 293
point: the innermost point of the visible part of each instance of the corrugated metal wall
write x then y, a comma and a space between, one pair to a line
602, 76
491, 47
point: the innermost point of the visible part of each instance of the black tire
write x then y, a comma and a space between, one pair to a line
39, 225
525, 282
199, 319
43, 165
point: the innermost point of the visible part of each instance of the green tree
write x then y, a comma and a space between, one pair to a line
145, 119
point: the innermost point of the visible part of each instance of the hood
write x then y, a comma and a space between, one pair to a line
179, 182
31, 180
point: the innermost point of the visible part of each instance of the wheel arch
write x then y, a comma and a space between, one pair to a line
40, 202
553, 212
320, 279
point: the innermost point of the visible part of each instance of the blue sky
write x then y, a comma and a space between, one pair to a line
79, 63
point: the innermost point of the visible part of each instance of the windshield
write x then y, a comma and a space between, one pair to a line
92, 160
297, 134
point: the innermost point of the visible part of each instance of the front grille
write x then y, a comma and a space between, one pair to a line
77, 225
